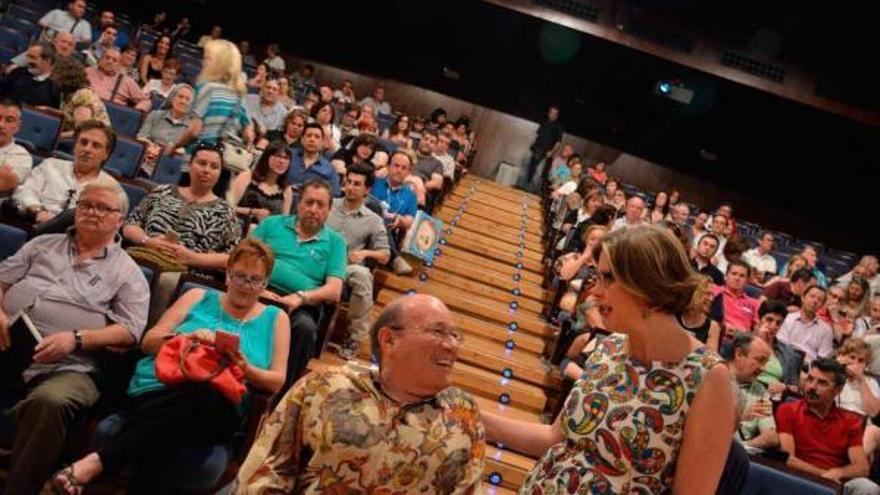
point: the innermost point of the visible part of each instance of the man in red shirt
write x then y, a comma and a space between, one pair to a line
740, 310
821, 438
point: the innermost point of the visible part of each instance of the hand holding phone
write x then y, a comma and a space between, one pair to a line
226, 341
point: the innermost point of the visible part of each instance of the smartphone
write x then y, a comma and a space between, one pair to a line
226, 341
172, 236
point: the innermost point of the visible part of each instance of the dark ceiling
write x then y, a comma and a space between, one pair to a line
771, 148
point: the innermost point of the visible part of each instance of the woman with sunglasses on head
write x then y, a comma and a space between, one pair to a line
184, 228
654, 411
161, 419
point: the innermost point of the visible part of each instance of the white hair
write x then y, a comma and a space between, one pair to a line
109, 184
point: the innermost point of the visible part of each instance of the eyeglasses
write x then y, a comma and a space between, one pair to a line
438, 333
96, 209
243, 280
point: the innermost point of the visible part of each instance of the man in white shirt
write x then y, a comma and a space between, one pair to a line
63, 42
50, 192
15, 161
69, 21
763, 264
805, 330
635, 206
441, 153
377, 101
216, 32
274, 60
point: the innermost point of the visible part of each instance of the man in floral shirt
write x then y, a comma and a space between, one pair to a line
400, 429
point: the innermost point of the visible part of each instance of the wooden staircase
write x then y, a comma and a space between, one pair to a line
489, 274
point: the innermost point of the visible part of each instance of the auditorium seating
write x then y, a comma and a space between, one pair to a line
490, 271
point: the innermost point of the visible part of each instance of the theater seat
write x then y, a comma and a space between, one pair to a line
11, 240
126, 121
167, 170
126, 157
764, 480
40, 129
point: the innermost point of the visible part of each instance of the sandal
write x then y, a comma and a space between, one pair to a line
74, 486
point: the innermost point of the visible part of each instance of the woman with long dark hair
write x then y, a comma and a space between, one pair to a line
152, 63
264, 191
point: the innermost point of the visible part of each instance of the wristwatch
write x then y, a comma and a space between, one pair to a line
302, 296
78, 339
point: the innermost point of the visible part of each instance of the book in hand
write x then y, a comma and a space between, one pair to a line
24, 337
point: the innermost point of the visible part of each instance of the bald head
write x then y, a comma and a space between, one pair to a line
403, 312
635, 206
64, 43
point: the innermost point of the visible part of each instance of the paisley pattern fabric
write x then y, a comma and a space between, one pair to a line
335, 432
623, 422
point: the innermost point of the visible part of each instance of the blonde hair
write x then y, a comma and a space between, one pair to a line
224, 66
590, 230
651, 264
704, 286
856, 345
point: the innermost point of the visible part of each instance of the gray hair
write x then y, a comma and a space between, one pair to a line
391, 317
109, 184
47, 52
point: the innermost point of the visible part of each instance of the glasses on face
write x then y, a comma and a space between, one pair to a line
96, 209
246, 281
438, 333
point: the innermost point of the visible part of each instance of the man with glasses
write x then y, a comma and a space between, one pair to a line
401, 427
83, 293
49, 193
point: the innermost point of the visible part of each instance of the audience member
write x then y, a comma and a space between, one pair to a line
756, 427
33, 84
310, 268
15, 160
84, 294
409, 398
114, 86
804, 330
69, 21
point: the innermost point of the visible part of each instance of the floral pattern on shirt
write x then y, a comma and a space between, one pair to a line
336, 432
623, 424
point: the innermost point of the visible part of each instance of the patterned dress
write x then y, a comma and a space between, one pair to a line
623, 422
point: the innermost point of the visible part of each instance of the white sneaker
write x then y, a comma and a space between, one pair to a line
400, 266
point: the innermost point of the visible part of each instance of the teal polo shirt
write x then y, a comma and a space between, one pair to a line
301, 265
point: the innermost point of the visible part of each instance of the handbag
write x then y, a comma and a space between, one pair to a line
184, 359
165, 262
236, 158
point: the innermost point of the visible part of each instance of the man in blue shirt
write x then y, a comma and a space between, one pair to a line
308, 162
398, 204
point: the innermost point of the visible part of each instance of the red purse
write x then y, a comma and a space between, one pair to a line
184, 359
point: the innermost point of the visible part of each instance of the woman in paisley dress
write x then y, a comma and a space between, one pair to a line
654, 409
